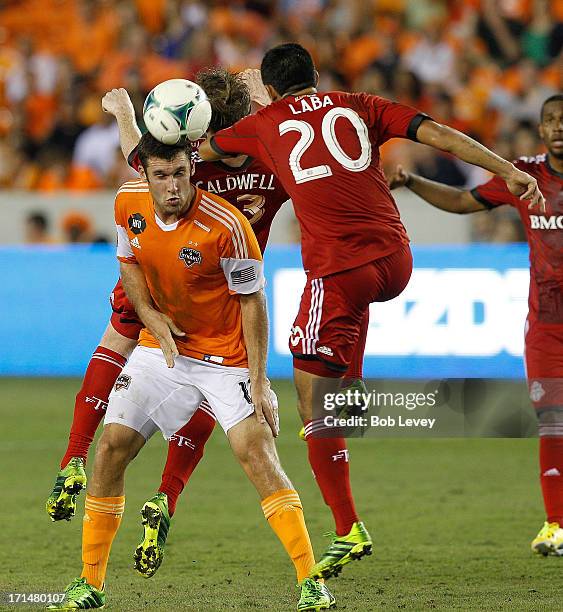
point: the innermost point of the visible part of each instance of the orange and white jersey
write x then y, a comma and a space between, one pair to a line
195, 269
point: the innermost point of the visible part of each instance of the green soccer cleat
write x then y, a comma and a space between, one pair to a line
349, 410
61, 504
342, 550
79, 595
549, 540
314, 596
156, 523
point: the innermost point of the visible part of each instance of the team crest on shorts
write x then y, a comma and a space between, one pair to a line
137, 223
190, 256
123, 381
536, 391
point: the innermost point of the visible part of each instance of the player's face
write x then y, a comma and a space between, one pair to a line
170, 184
551, 128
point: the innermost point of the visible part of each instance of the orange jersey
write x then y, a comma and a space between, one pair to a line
195, 269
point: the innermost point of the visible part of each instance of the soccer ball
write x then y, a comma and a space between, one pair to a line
176, 109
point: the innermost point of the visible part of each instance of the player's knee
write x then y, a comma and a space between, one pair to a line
116, 446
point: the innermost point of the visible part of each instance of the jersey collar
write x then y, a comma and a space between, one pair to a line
551, 169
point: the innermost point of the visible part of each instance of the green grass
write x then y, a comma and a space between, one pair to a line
451, 520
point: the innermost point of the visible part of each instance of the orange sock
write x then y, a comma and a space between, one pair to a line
102, 518
284, 512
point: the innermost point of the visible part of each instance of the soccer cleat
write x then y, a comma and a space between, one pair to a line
347, 410
156, 523
61, 504
79, 595
549, 540
342, 550
315, 596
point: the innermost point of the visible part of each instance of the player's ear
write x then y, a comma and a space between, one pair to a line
142, 173
274, 95
316, 78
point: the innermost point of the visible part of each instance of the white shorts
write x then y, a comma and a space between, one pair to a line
148, 395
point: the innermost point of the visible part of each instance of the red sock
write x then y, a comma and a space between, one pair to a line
92, 400
185, 449
551, 466
329, 459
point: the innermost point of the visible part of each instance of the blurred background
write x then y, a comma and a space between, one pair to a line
482, 66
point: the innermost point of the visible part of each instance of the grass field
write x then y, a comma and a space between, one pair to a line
451, 521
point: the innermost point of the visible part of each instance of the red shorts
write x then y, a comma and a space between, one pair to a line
124, 319
329, 332
544, 364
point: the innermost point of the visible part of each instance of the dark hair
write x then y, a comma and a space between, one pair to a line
149, 146
39, 220
554, 98
228, 95
288, 68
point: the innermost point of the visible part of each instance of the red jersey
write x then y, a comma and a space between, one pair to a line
324, 148
544, 233
252, 188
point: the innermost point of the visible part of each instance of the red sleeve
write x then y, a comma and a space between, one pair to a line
239, 138
493, 193
133, 159
390, 119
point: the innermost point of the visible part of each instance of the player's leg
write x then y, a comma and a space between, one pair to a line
353, 379
185, 450
105, 502
550, 538
331, 324
137, 407
89, 409
544, 370
253, 445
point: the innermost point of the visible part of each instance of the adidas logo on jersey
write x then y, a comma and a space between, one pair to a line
548, 223
135, 242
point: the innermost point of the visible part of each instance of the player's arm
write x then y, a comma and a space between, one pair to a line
241, 261
240, 138
159, 325
118, 103
444, 197
447, 139
255, 331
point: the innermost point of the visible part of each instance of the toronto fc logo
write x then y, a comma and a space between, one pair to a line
190, 256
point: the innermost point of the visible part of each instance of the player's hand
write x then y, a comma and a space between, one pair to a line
398, 179
117, 102
162, 327
258, 93
522, 184
266, 405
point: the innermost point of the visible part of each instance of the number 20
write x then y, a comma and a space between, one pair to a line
302, 175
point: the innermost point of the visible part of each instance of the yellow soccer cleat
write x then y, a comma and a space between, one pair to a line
343, 549
549, 540
61, 503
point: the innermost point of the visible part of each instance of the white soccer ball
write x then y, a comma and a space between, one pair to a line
176, 109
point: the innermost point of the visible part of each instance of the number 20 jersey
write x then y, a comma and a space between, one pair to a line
324, 148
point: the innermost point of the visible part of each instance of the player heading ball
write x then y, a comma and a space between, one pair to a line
324, 148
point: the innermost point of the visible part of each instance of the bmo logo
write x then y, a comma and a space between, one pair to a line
546, 223
457, 312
